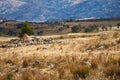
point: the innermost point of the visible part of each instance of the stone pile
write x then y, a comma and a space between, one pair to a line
33, 41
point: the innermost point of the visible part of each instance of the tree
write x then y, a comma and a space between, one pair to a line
76, 29
118, 25
91, 28
110, 26
103, 28
26, 29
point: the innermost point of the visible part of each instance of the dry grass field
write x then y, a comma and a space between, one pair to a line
81, 56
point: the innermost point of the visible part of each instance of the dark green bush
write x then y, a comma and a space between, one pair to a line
26, 29
76, 29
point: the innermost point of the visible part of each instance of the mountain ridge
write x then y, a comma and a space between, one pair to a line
39, 10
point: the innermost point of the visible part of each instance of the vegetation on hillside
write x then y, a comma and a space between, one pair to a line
118, 25
26, 29
76, 29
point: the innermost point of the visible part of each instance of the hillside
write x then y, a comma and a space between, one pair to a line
12, 28
45, 10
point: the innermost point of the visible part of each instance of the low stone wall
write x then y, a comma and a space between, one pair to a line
34, 41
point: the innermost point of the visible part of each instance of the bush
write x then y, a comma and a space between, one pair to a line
91, 28
118, 25
26, 29
76, 29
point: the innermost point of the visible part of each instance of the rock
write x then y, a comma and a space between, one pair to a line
37, 62
46, 47
51, 65
87, 63
101, 48
59, 42
41, 42
19, 44
32, 43
38, 39
14, 40
4, 45
13, 45
49, 40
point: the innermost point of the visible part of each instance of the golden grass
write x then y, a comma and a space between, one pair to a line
64, 61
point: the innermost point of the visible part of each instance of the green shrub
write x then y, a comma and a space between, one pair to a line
91, 28
118, 25
26, 29
76, 29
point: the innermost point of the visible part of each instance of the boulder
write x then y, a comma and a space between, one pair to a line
4, 45
25, 38
31, 43
49, 40
101, 48
51, 65
46, 47
87, 63
19, 44
37, 62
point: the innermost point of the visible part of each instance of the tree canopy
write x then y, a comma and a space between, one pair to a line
26, 29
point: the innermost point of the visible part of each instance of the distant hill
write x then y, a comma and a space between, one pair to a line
12, 27
48, 10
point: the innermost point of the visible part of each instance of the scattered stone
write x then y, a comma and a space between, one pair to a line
49, 40
51, 65
101, 48
32, 43
46, 47
4, 45
27, 40
19, 43
37, 62
87, 63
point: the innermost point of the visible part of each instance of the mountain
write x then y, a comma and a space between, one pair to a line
44, 10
